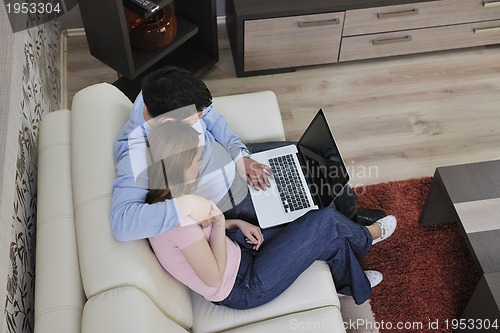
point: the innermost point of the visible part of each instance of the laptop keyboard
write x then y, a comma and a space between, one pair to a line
290, 187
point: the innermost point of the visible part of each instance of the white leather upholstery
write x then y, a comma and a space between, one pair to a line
327, 319
125, 288
125, 309
255, 116
59, 297
98, 113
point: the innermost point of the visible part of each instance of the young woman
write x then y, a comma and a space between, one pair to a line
234, 263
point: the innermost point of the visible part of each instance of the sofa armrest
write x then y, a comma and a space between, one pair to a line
255, 117
59, 295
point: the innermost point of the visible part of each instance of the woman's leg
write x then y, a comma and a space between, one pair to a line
288, 251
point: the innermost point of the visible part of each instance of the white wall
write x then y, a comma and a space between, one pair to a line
5, 75
221, 5
30, 74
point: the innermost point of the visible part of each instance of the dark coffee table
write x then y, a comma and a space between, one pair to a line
470, 195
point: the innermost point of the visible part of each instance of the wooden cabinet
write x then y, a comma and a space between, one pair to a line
195, 46
419, 27
266, 38
418, 15
292, 41
420, 40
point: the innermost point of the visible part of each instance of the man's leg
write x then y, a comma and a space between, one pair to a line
244, 209
261, 146
345, 202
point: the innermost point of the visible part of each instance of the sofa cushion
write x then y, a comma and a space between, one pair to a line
98, 113
313, 289
132, 311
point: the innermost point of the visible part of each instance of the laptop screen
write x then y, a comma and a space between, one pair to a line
321, 161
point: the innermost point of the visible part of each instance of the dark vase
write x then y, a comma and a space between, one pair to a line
152, 33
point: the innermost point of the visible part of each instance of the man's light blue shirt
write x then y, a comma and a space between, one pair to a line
131, 218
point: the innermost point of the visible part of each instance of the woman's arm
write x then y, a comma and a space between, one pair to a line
208, 258
253, 234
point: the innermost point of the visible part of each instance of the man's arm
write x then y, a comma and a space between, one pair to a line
131, 218
254, 172
217, 125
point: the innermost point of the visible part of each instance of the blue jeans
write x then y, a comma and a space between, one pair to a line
288, 250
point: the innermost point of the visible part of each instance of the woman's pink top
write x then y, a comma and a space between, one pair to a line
168, 249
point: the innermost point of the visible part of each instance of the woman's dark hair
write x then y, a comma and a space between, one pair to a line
173, 146
171, 88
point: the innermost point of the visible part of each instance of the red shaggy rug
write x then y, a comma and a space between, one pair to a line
429, 274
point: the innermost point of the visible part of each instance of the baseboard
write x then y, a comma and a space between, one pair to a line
75, 32
221, 19
64, 75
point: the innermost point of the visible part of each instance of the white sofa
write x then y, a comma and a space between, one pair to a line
86, 281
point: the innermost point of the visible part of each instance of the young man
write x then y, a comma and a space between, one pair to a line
166, 94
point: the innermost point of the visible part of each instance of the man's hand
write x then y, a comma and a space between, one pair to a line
257, 173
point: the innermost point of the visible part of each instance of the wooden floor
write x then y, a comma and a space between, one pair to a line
394, 118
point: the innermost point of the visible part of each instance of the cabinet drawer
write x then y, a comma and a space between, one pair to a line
420, 40
292, 41
419, 15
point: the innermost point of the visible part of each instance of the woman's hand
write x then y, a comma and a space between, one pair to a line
197, 208
216, 216
252, 233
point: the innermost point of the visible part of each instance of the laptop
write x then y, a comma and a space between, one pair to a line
305, 176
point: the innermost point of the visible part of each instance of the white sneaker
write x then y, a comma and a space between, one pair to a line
375, 277
388, 225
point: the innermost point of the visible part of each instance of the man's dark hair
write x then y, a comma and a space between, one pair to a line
171, 88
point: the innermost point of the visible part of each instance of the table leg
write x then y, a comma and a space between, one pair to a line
482, 313
438, 207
